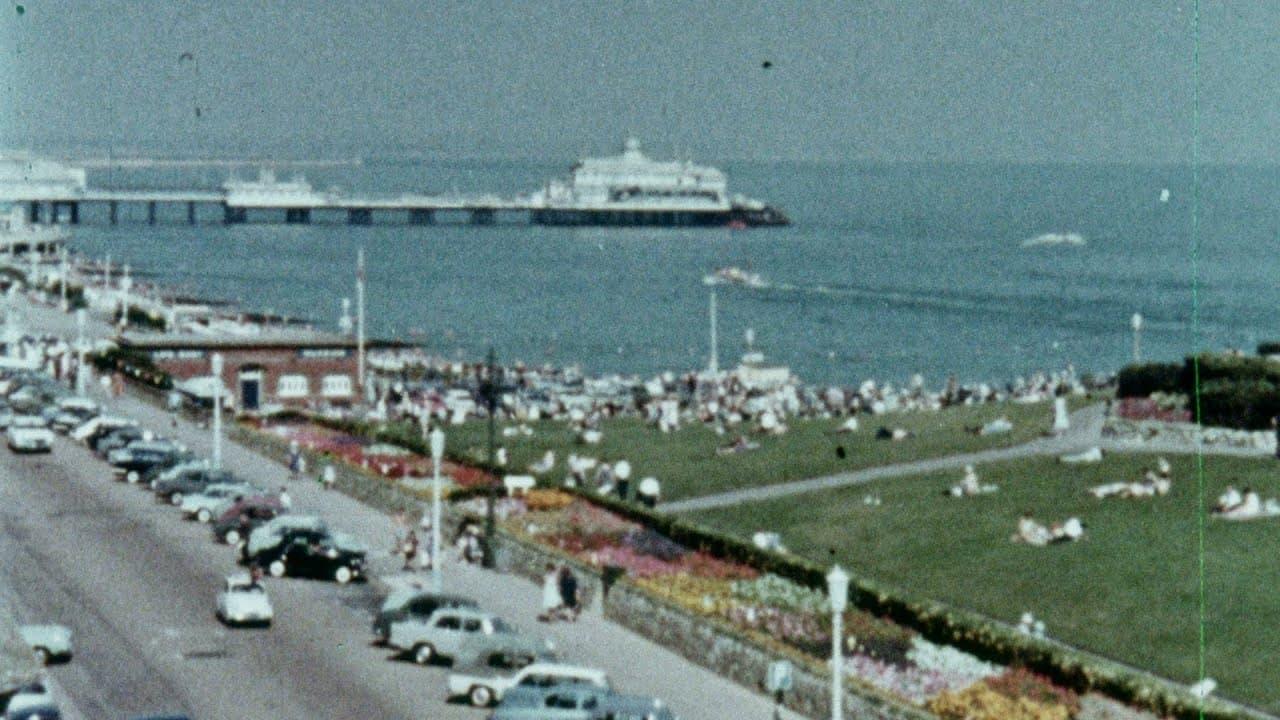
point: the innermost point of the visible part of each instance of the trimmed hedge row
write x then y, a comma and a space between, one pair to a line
1269, 348
1235, 392
1248, 405
1143, 379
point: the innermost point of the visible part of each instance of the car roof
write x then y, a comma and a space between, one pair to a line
564, 669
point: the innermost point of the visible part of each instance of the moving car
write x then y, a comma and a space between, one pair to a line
50, 642
237, 521
483, 689
28, 433
405, 604
244, 602
467, 637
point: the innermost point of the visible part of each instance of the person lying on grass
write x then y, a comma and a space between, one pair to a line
742, 444
1250, 507
1151, 485
1033, 533
969, 485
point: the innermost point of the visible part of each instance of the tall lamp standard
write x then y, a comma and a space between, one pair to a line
215, 365
838, 590
437, 452
1135, 322
490, 390
81, 320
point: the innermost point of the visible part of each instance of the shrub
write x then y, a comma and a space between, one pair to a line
1248, 404
1021, 683
981, 702
1146, 378
1269, 348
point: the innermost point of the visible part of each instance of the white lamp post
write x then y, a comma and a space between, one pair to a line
126, 284
63, 272
81, 319
1135, 322
838, 590
215, 367
437, 452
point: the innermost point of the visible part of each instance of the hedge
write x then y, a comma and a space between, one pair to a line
1248, 405
1269, 348
1146, 378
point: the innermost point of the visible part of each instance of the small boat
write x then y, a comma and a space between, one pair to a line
1055, 239
734, 276
1164, 195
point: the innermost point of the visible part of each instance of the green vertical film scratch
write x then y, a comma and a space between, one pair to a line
1195, 327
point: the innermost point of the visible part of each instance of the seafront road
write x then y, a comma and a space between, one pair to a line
137, 585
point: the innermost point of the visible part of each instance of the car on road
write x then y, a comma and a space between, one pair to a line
28, 433
104, 443
243, 601
577, 702
28, 702
485, 688
314, 554
412, 603
468, 637
130, 464
238, 521
49, 642
97, 427
209, 503
6, 416
72, 412
190, 481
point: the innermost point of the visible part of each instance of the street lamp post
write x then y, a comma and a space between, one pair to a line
1135, 322
437, 452
81, 319
126, 284
62, 275
490, 389
215, 364
838, 590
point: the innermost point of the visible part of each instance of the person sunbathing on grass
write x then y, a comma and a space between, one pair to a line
969, 485
742, 444
1031, 532
1250, 507
1070, 530
1228, 500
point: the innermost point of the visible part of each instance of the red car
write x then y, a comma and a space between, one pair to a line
243, 516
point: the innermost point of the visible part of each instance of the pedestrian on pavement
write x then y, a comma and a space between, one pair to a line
649, 492
286, 502
551, 600
569, 593
410, 549
328, 476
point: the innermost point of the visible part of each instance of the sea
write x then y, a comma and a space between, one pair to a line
983, 271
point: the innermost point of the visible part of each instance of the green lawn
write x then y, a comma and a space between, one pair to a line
1129, 590
687, 465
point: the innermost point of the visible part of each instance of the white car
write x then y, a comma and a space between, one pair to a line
87, 429
28, 433
483, 690
49, 642
244, 602
208, 504
31, 697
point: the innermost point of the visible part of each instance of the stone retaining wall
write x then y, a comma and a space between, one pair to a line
1152, 432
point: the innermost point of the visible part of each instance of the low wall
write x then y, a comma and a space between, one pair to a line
739, 660
1153, 432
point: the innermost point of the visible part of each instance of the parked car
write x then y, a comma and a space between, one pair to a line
406, 604
28, 702
484, 689
28, 433
577, 702
115, 438
209, 503
268, 534
244, 602
237, 521
467, 637
98, 426
190, 481
6, 416
132, 462
72, 412
314, 554
50, 642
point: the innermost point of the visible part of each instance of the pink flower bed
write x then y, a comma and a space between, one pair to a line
1148, 409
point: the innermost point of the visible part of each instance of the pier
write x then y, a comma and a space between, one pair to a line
56, 194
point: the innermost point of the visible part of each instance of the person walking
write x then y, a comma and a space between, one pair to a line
328, 476
569, 593
410, 549
551, 600
286, 502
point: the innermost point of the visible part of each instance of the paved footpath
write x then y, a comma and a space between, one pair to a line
635, 664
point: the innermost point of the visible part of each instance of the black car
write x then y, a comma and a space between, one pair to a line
115, 438
133, 463
312, 554
417, 604
188, 482
243, 516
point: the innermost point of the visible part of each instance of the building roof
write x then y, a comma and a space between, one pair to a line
275, 340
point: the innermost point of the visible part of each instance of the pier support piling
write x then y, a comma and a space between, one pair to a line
233, 215
151, 213
191, 213
299, 216
34, 215
422, 216
112, 210
359, 216
75, 213
482, 216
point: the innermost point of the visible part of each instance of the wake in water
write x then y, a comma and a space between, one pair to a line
1054, 239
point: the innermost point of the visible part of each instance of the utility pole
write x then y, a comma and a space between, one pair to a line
360, 319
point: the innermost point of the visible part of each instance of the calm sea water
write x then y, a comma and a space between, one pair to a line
888, 269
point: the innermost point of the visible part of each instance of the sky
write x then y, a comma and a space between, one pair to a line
883, 81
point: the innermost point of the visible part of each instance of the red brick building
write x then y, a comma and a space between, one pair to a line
288, 369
